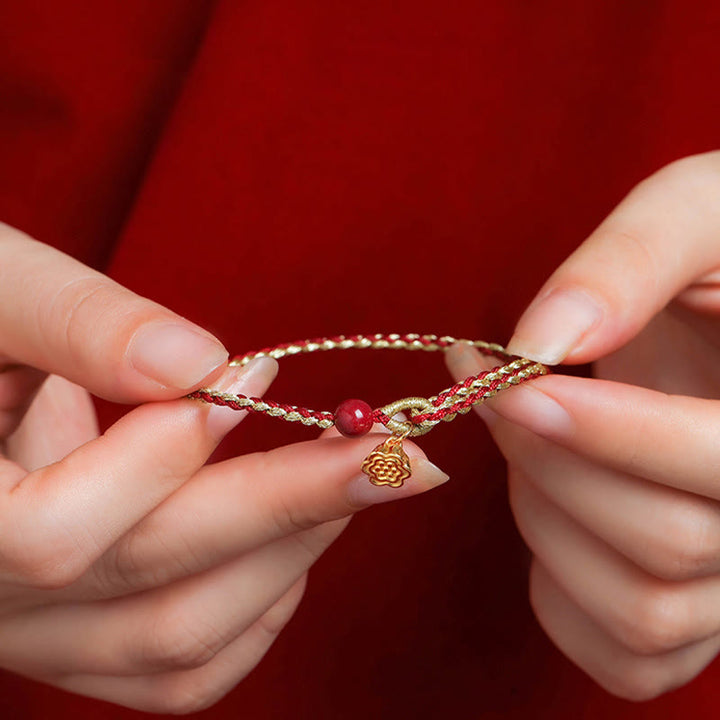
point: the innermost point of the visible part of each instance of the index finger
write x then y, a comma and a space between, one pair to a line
669, 439
62, 317
661, 238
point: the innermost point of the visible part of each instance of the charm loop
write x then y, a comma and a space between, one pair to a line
415, 406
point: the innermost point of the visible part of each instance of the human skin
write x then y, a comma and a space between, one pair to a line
130, 569
614, 481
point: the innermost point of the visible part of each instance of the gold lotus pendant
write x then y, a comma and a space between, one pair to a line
388, 463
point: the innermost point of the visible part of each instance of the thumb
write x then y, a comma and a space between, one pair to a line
64, 318
661, 238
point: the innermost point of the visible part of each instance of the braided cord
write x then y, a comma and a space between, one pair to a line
409, 341
424, 413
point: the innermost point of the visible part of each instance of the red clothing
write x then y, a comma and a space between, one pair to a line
277, 170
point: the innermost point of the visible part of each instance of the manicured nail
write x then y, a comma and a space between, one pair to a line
425, 476
429, 473
175, 355
534, 410
551, 328
252, 380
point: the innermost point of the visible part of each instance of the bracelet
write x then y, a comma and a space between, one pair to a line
387, 464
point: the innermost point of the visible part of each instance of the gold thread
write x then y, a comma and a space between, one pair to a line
517, 370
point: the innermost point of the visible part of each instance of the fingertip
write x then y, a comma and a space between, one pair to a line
428, 473
252, 379
555, 325
264, 370
512, 404
425, 476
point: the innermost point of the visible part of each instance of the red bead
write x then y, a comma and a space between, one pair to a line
353, 418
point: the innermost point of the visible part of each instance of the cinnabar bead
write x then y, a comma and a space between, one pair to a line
353, 418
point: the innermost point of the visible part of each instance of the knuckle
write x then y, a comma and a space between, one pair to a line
202, 688
48, 568
121, 565
127, 567
694, 178
660, 621
44, 561
186, 457
701, 165
181, 643
184, 699
638, 681
119, 570
286, 519
515, 496
689, 545
315, 542
678, 169
62, 315
191, 694
629, 250
518, 490
40, 549
277, 617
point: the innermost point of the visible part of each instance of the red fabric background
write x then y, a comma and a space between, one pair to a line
276, 170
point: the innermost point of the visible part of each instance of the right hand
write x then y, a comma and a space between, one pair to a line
130, 570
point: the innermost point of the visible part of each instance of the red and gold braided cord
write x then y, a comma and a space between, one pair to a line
423, 413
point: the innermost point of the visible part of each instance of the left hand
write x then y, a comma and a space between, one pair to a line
131, 570
615, 482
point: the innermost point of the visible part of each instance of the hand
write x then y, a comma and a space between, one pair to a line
615, 482
130, 570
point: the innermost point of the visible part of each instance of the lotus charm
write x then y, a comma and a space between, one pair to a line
388, 463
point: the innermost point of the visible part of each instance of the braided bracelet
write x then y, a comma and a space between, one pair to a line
387, 464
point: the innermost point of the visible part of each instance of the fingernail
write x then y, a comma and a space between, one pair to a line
425, 476
555, 325
175, 355
252, 380
429, 473
534, 410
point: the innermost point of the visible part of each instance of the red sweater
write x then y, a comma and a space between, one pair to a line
275, 170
